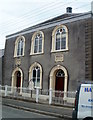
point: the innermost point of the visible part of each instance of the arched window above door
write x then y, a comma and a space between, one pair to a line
60, 73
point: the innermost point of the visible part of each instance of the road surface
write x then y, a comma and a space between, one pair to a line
9, 112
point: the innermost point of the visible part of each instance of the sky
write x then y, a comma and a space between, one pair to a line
16, 15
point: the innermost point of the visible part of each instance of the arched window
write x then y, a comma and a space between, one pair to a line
37, 44
60, 39
19, 46
35, 75
60, 73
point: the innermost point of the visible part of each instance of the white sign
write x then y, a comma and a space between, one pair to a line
31, 85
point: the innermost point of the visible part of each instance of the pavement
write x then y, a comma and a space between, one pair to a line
62, 111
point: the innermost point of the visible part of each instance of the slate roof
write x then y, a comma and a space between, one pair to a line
66, 15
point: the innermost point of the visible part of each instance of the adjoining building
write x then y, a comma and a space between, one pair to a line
54, 54
1, 64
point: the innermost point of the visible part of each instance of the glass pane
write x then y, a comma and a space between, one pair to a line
40, 45
58, 44
63, 43
35, 49
34, 73
36, 42
38, 83
34, 80
40, 48
57, 36
18, 49
60, 73
38, 79
38, 73
63, 31
40, 41
21, 51
21, 42
34, 77
35, 83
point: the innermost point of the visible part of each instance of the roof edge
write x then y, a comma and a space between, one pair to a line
45, 24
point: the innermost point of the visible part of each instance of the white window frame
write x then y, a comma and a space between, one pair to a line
36, 77
33, 41
20, 47
31, 73
38, 47
54, 38
16, 46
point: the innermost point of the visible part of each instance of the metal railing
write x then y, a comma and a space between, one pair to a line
61, 97
38, 95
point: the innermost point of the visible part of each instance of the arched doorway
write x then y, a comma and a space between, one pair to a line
59, 75
59, 85
17, 79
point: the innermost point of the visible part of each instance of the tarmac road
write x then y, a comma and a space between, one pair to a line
48, 110
9, 112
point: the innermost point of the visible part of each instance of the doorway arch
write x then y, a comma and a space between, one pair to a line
17, 78
53, 77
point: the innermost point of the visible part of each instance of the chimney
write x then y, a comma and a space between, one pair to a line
69, 10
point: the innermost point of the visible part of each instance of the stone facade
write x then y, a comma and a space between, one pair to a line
76, 62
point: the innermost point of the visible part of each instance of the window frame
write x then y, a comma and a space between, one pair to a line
33, 41
31, 73
20, 47
54, 38
20, 38
36, 77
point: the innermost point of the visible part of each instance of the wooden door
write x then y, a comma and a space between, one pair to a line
59, 84
18, 82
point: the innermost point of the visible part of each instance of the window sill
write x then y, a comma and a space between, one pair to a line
36, 53
55, 51
18, 56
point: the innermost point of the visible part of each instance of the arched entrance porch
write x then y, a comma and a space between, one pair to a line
17, 79
63, 78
